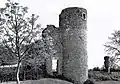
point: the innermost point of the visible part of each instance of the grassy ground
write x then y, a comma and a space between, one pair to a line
108, 82
41, 81
104, 76
56, 82
99, 77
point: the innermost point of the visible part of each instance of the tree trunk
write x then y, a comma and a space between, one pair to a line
17, 73
109, 70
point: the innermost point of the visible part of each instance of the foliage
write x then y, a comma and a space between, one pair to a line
27, 72
88, 82
37, 52
98, 76
103, 76
96, 69
7, 74
17, 31
113, 47
36, 56
5, 56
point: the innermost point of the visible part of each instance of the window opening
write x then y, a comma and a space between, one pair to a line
84, 16
54, 64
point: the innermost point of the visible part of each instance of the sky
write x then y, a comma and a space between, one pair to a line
103, 19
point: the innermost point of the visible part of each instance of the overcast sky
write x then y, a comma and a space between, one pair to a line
103, 18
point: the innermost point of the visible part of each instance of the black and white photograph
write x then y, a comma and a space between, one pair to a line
59, 42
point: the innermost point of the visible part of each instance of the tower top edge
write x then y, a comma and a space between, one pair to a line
70, 9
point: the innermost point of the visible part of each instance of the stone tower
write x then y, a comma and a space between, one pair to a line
107, 63
72, 22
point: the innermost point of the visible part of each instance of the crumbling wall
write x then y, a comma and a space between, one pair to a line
73, 30
51, 36
70, 42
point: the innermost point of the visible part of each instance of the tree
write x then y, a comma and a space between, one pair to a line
36, 56
18, 31
113, 48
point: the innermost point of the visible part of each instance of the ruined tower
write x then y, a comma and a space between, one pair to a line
107, 63
72, 22
51, 37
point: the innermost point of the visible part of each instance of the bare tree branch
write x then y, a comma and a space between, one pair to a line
111, 48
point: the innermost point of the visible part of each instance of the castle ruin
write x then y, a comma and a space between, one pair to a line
70, 41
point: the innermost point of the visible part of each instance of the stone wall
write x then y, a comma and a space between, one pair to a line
73, 30
70, 42
51, 34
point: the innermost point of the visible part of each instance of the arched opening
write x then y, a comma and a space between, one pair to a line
54, 64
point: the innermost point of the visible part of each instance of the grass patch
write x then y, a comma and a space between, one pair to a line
104, 76
41, 81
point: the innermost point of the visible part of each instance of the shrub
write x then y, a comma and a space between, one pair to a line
96, 69
88, 82
104, 78
9, 74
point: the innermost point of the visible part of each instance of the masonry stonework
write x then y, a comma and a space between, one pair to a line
73, 30
53, 33
71, 47
107, 63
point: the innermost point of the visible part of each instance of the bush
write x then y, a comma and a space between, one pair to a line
88, 82
114, 70
9, 74
104, 78
96, 69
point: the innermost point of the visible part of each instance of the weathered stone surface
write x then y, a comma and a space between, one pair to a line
70, 42
73, 31
49, 65
52, 33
